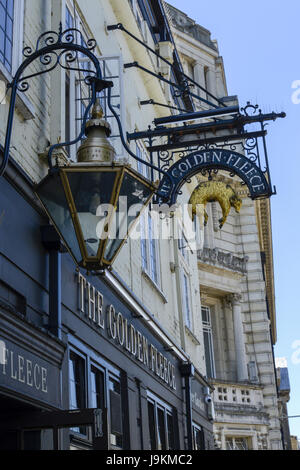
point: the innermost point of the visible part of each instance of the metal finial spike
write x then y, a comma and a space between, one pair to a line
60, 31
97, 111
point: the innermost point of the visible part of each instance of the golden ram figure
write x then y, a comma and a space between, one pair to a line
211, 191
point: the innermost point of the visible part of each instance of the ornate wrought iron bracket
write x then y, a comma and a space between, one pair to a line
62, 49
201, 148
54, 49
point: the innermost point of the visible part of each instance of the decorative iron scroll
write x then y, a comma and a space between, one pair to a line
228, 160
54, 49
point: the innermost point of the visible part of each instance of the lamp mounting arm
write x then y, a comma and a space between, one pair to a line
53, 49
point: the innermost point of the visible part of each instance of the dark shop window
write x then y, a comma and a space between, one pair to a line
116, 428
77, 386
97, 388
198, 438
161, 425
94, 384
151, 419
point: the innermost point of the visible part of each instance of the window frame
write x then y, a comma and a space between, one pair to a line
147, 240
247, 439
168, 411
74, 83
17, 41
150, 249
207, 327
108, 371
82, 433
112, 377
186, 298
198, 428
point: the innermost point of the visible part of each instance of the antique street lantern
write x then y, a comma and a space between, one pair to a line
95, 203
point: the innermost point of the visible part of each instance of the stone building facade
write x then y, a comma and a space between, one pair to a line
236, 285
174, 314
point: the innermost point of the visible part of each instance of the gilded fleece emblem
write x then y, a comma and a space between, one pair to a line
210, 191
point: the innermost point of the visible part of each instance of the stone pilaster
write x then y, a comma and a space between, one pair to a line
240, 350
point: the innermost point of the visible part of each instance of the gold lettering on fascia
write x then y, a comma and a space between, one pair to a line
127, 336
23, 370
120, 330
90, 301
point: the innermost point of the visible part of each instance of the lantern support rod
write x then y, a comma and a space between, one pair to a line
207, 141
153, 102
52, 49
211, 113
124, 143
182, 88
120, 27
229, 124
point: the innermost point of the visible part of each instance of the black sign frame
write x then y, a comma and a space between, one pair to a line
213, 159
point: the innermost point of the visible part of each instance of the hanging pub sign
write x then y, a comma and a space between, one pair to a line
223, 159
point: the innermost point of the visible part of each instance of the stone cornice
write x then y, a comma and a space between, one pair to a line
183, 23
263, 213
217, 257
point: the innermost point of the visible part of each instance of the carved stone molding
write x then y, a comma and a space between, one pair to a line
227, 260
234, 299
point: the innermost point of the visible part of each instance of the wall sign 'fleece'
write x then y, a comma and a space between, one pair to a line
227, 160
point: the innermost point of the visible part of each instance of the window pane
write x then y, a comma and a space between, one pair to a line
6, 32
9, 27
10, 7
8, 51
69, 19
2, 16
116, 431
151, 418
186, 301
153, 251
198, 439
89, 191
77, 385
208, 353
205, 315
2, 42
161, 426
143, 243
161, 430
97, 394
170, 432
53, 197
136, 193
237, 443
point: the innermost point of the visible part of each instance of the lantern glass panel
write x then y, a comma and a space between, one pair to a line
52, 195
133, 196
92, 193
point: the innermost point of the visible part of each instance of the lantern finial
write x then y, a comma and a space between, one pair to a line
96, 147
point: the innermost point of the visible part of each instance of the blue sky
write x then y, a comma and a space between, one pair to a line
259, 42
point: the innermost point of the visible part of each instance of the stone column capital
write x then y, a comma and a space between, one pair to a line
234, 299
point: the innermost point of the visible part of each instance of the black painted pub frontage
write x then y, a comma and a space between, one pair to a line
83, 364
